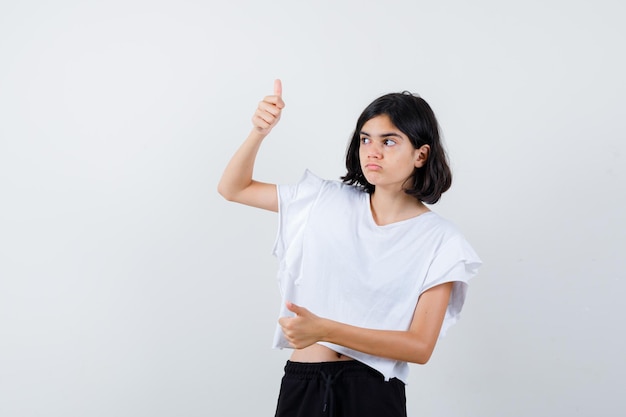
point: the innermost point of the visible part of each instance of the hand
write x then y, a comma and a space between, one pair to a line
302, 330
268, 113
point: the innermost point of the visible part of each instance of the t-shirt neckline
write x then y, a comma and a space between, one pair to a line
370, 216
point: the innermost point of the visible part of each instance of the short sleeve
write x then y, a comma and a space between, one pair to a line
457, 262
294, 203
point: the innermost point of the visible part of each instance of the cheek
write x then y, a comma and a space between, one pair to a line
407, 165
361, 154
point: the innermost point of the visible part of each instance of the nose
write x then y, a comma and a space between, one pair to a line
374, 151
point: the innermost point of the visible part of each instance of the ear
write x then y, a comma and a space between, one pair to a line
421, 155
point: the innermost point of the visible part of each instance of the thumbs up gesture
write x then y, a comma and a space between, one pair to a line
303, 329
268, 112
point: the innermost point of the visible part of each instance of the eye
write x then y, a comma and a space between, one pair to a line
389, 142
365, 140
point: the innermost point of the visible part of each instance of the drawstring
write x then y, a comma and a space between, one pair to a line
329, 395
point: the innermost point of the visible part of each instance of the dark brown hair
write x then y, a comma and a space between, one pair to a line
413, 117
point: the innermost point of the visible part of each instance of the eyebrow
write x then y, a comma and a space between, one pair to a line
384, 135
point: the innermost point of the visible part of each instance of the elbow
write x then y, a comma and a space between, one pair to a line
227, 194
422, 358
221, 191
421, 353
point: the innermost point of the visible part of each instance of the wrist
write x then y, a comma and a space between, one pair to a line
327, 330
258, 133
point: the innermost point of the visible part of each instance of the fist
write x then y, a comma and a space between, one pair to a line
268, 112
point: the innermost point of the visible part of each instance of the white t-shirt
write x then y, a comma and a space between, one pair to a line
338, 263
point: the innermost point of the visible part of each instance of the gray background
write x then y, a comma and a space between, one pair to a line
128, 287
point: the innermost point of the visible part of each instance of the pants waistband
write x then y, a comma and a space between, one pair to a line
306, 370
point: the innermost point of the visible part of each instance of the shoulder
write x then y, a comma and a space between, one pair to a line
442, 225
445, 235
311, 184
310, 178
450, 242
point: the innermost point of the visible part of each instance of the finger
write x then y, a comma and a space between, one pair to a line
294, 308
274, 100
280, 103
278, 88
269, 108
261, 124
268, 118
265, 117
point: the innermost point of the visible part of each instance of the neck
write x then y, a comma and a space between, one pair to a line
390, 208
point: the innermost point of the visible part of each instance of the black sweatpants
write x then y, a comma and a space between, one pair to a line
338, 389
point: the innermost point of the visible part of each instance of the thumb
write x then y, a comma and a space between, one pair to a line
278, 88
295, 308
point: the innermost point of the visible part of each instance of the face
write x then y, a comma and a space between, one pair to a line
387, 155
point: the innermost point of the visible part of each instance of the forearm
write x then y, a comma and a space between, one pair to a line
408, 346
416, 344
237, 175
413, 345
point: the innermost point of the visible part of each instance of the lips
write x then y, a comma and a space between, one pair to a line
373, 167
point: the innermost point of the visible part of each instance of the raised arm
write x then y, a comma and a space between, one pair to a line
237, 183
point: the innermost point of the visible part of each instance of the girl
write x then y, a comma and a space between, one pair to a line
369, 275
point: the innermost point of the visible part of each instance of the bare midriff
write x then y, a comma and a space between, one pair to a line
317, 353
